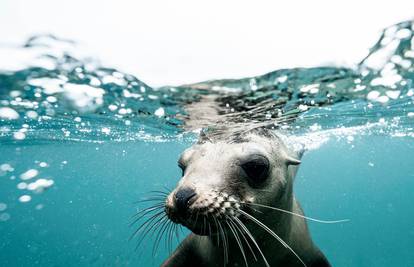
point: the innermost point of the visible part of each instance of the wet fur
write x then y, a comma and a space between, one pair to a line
203, 250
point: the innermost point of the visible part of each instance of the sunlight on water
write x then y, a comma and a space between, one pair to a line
95, 139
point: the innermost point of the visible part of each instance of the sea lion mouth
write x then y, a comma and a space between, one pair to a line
213, 222
207, 213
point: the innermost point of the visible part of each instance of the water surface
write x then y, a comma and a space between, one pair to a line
81, 142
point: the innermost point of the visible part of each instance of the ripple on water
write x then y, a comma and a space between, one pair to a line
74, 98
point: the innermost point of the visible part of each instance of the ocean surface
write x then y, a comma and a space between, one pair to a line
81, 143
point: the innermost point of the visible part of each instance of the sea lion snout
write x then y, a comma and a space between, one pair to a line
184, 197
177, 205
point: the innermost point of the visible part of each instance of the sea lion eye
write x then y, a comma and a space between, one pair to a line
182, 167
256, 168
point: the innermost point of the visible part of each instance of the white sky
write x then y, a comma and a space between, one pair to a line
174, 42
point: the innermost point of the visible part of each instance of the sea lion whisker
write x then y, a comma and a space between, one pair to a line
177, 233
238, 227
153, 195
299, 215
169, 235
218, 233
252, 238
153, 226
167, 189
158, 198
143, 215
267, 229
159, 236
209, 226
144, 212
236, 165
227, 244
160, 226
149, 220
238, 241
224, 242
165, 193
172, 236
204, 224
195, 222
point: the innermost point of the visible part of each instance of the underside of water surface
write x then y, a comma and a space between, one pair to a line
81, 142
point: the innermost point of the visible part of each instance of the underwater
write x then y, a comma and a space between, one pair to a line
83, 145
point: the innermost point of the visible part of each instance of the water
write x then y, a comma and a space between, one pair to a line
79, 143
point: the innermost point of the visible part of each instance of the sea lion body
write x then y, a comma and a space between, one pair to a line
222, 199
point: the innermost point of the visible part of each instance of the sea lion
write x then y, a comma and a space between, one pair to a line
236, 196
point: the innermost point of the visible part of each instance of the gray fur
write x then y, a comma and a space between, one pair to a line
214, 172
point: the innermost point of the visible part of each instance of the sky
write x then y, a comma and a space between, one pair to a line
165, 42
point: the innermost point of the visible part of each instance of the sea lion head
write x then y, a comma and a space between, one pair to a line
221, 176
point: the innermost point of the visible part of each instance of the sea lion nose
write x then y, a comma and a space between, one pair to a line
184, 198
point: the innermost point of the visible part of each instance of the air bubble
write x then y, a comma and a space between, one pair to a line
159, 112
4, 217
43, 164
22, 185
25, 198
29, 174
8, 113
3, 206
106, 130
6, 167
19, 135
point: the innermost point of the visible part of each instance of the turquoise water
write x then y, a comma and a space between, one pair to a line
80, 143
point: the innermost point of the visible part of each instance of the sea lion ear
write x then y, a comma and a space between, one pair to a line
293, 157
292, 161
202, 139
